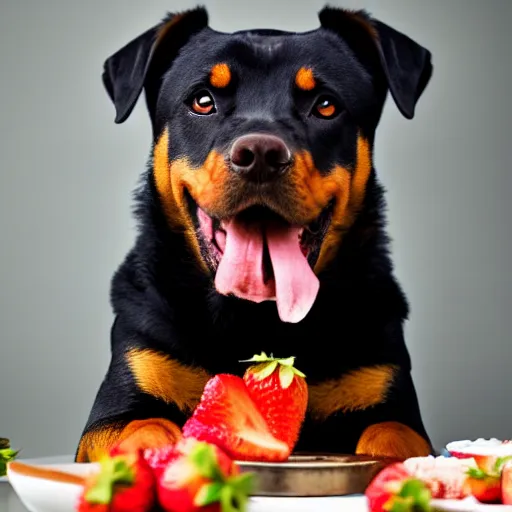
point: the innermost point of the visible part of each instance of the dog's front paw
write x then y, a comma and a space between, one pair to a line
138, 434
392, 439
151, 433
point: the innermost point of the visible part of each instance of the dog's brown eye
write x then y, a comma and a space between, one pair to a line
203, 103
326, 107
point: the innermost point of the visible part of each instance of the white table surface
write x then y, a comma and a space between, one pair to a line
9, 501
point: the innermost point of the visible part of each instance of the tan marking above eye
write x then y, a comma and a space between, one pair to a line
305, 79
220, 75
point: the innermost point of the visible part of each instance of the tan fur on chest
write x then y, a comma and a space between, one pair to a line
167, 379
356, 390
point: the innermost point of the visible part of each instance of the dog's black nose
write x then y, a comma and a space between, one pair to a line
260, 157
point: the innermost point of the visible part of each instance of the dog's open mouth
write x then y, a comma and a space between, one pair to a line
259, 256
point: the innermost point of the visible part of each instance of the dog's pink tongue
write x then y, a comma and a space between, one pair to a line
240, 270
296, 283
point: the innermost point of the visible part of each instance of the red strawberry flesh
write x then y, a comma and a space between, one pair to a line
159, 458
228, 417
485, 490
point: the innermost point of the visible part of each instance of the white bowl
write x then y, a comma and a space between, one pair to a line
41, 494
469, 448
46, 495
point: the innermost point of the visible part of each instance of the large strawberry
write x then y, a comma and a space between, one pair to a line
228, 417
203, 478
395, 489
124, 483
280, 393
485, 481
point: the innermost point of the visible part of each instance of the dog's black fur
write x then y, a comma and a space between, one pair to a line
163, 298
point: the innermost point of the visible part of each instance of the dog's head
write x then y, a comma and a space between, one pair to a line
263, 139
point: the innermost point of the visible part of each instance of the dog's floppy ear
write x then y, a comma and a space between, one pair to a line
126, 71
407, 65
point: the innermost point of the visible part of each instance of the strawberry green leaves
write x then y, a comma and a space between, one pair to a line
413, 496
7, 454
113, 471
267, 365
481, 472
230, 491
265, 370
203, 458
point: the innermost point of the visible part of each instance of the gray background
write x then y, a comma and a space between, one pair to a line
67, 173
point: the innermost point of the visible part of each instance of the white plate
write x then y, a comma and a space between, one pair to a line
43, 495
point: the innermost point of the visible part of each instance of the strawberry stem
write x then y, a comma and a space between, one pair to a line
240, 488
477, 473
113, 471
203, 458
232, 492
413, 496
6, 455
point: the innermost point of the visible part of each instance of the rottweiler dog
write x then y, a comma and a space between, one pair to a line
261, 227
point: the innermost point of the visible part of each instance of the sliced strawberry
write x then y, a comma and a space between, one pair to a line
485, 481
280, 392
159, 458
227, 416
124, 483
444, 476
506, 484
203, 478
394, 489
